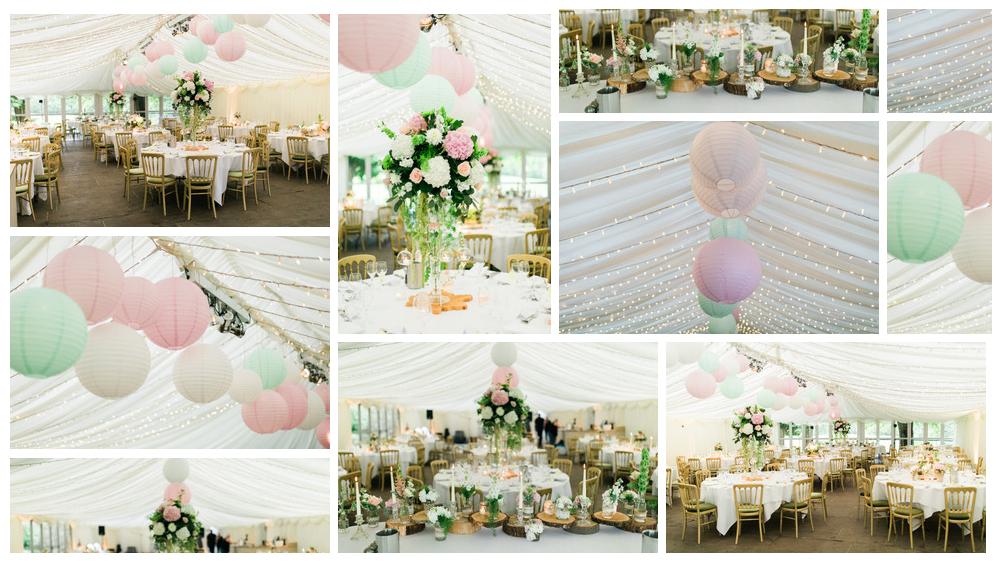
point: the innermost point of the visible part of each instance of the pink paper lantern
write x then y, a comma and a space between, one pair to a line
323, 390
720, 375
183, 315
733, 201
323, 433
195, 22
964, 160
178, 490
139, 304
725, 154
89, 276
455, 67
789, 386
207, 33
506, 375
137, 77
726, 270
119, 69
157, 49
834, 414
832, 399
231, 46
774, 383
744, 362
810, 409
324, 17
119, 85
297, 400
267, 414
700, 385
376, 43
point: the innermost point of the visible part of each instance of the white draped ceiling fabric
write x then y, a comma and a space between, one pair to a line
919, 382
121, 493
287, 296
630, 227
934, 297
940, 61
511, 55
66, 54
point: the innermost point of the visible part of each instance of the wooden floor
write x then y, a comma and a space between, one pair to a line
92, 196
843, 532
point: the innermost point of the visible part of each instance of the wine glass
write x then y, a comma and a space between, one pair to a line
370, 270
404, 257
381, 268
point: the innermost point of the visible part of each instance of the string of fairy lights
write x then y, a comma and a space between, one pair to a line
652, 293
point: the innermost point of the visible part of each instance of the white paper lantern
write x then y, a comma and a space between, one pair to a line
504, 354
315, 412
246, 386
115, 362
176, 470
203, 373
973, 254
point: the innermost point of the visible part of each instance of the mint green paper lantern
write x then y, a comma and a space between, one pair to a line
136, 61
925, 215
412, 70
727, 228
48, 332
731, 387
708, 362
167, 64
432, 92
194, 50
723, 325
268, 364
713, 309
222, 23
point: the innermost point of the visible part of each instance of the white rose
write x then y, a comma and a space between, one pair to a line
510, 417
516, 393
406, 163
172, 527
183, 534
747, 429
402, 147
434, 136
486, 413
499, 411
158, 529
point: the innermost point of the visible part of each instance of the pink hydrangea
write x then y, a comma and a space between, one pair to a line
499, 397
209, 84
485, 158
416, 176
757, 418
417, 123
464, 169
189, 75
171, 513
458, 145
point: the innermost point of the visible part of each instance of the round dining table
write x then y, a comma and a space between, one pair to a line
778, 486
541, 477
141, 138
928, 495
761, 35
508, 238
370, 459
230, 159
318, 145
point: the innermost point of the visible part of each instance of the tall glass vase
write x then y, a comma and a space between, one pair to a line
432, 225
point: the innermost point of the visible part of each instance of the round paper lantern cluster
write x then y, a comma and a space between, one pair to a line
376, 43
269, 365
176, 472
973, 254
115, 362
410, 71
323, 433
712, 372
139, 303
925, 217
454, 67
267, 414
203, 373
48, 332
504, 354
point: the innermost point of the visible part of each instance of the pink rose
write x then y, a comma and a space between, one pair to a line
464, 169
416, 176
499, 397
444, 193
458, 145
485, 158
595, 58
209, 84
374, 501
757, 418
189, 75
171, 513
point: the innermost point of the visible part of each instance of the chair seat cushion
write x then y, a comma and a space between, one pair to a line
701, 507
748, 509
959, 517
880, 503
237, 174
22, 189
135, 171
160, 180
908, 511
46, 176
794, 505
818, 495
200, 183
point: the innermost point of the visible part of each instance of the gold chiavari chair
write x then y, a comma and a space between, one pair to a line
739, 468
836, 472
704, 513
761, 16
245, 178
659, 23
382, 223
699, 478
873, 508
819, 497
807, 466
49, 175
637, 30
354, 224
298, 153
264, 163
537, 243
33, 144
964, 464
542, 214
537, 265
801, 503
609, 20
261, 130
694, 463
713, 465
345, 485
623, 463
438, 465
875, 469
275, 126
844, 22
564, 465
87, 134
199, 180
591, 486
416, 472
348, 461
122, 138
669, 474
353, 265
388, 463
901, 508
859, 474
225, 132
749, 502
959, 503
551, 452
155, 179
480, 247
785, 23
564, 17
539, 458
544, 495
102, 146
20, 182
156, 137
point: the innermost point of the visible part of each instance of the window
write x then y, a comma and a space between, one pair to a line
369, 420
365, 179
54, 110
18, 108
87, 106
72, 108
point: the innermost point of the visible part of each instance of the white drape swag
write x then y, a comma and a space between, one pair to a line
626, 245
58, 412
511, 54
936, 296
908, 382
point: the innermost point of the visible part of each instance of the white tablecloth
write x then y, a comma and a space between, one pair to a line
36, 168
318, 146
141, 138
929, 495
828, 99
778, 487
508, 238
370, 458
608, 454
18, 139
763, 36
230, 159
540, 477
608, 540
375, 308
238, 131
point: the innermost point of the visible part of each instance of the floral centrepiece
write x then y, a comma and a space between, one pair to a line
841, 428
752, 431
432, 172
564, 508
663, 76
783, 65
610, 498
117, 102
503, 413
442, 519
831, 56
175, 527
134, 121
192, 97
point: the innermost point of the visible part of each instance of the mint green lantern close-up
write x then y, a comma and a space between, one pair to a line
925, 218
727, 228
723, 325
268, 364
48, 332
194, 50
411, 70
713, 309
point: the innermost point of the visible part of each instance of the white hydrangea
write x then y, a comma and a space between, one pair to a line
158, 529
486, 413
402, 147
406, 163
499, 411
516, 393
478, 174
172, 527
747, 429
407, 187
394, 178
435, 136
438, 172
510, 417
183, 534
